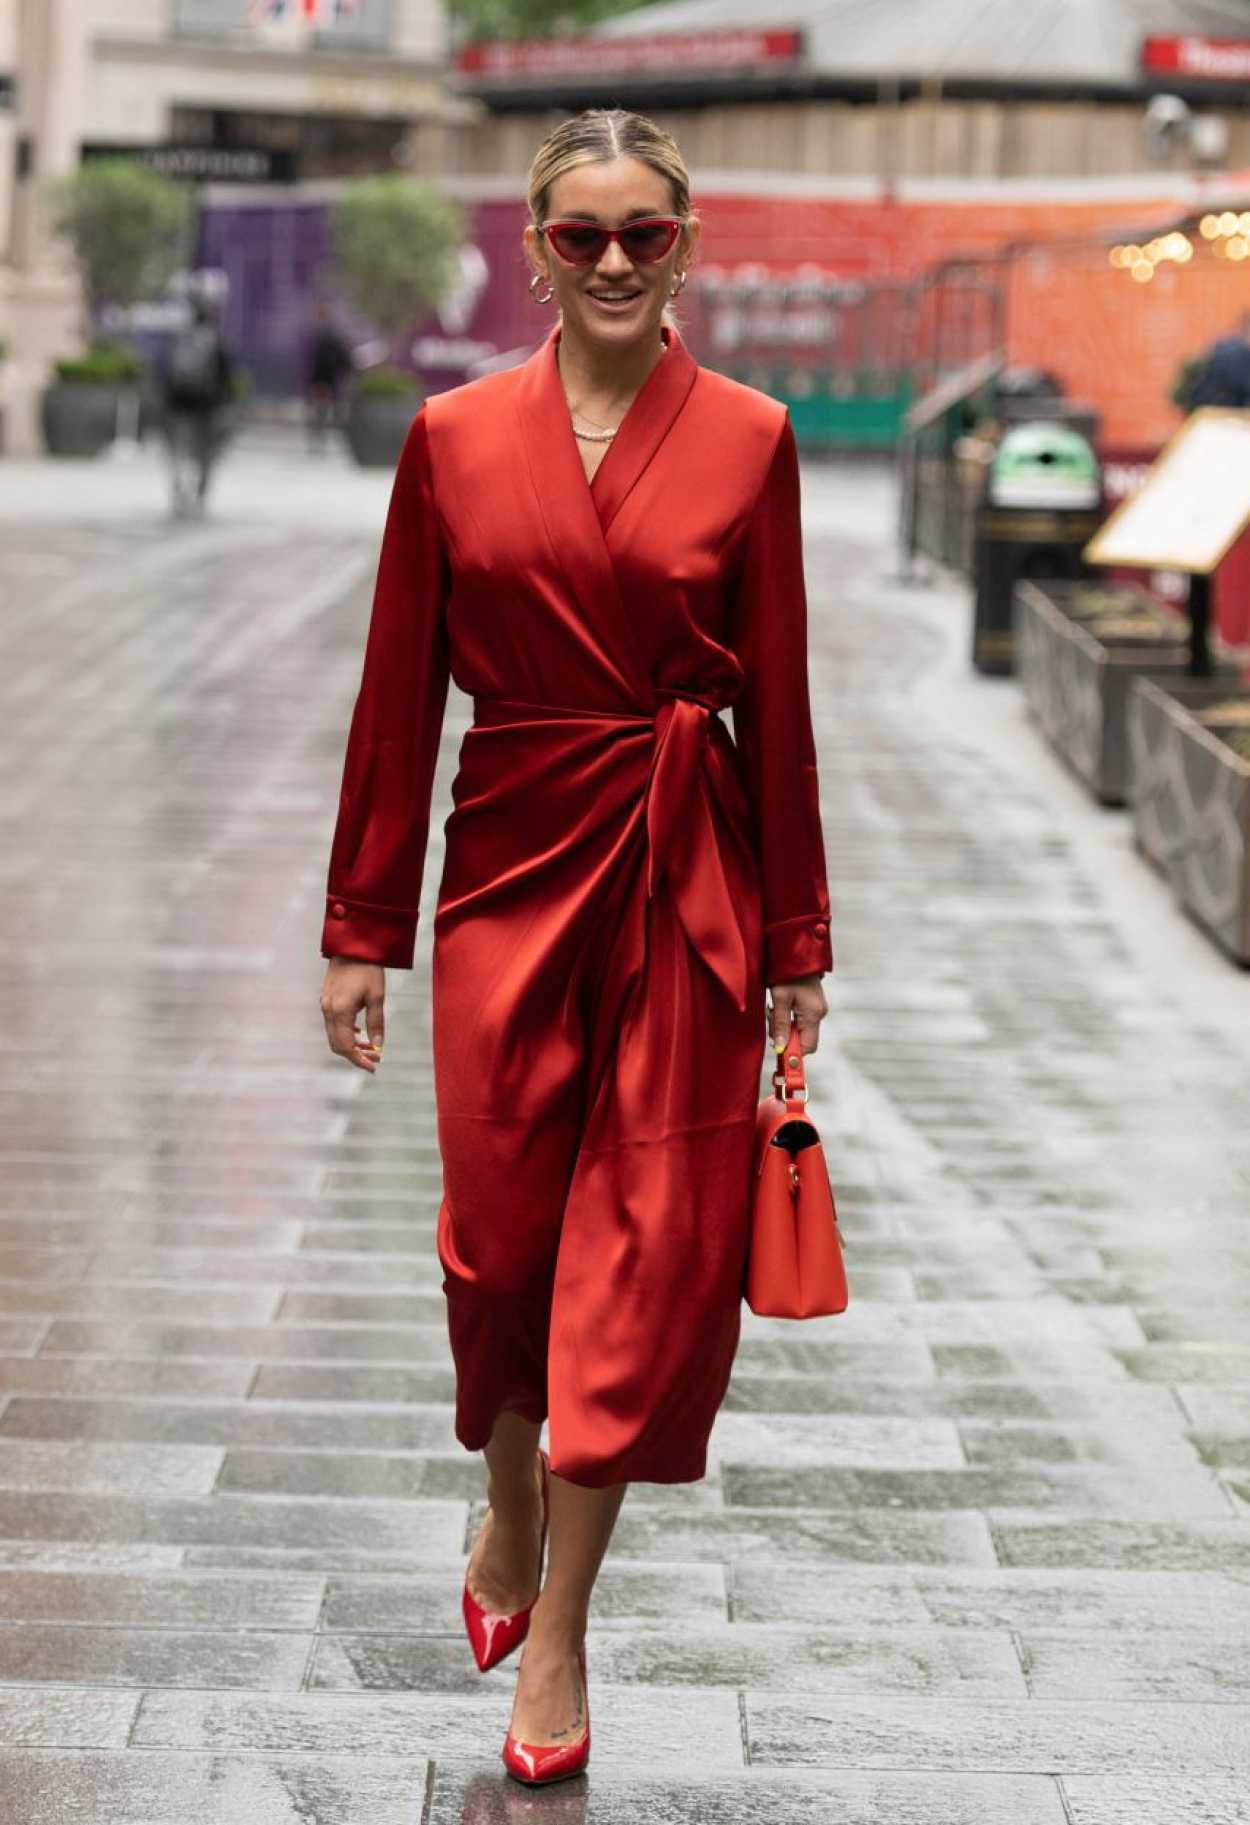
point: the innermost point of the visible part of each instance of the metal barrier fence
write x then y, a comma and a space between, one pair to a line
837, 352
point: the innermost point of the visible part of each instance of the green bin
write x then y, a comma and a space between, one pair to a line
1042, 505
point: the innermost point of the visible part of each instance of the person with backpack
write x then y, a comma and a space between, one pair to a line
197, 382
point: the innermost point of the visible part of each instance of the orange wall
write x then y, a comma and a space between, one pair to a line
885, 237
1114, 343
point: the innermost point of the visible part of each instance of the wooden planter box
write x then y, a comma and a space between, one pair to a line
1191, 804
1076, 665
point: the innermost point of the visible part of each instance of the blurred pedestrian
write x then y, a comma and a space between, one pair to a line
603, 545
197, 381
1223, 377
329, 364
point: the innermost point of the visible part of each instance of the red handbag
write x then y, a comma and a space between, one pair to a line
794, 1263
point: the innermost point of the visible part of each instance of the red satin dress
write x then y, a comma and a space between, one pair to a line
621, 879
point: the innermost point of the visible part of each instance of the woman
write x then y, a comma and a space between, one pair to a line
602, 547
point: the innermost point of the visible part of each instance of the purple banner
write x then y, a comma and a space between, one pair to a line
276, 257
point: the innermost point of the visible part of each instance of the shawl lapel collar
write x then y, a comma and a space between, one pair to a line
644, 427
577, 514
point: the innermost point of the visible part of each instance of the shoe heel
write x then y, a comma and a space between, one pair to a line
492, 1636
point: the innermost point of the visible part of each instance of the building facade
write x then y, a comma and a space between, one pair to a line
213, 91
958, 90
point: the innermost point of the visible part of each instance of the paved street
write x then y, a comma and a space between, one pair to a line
975, 1552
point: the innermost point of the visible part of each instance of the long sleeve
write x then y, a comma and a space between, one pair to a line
377, 858
773, 726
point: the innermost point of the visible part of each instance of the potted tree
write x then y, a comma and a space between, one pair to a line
394, 245
127, 226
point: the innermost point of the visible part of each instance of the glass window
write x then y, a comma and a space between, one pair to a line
339, 24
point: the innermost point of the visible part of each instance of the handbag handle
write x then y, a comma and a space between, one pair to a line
789, 1082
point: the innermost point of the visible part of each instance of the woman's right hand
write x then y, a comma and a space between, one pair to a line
349, 986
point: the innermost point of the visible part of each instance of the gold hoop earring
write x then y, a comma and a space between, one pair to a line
543, 297
680, 286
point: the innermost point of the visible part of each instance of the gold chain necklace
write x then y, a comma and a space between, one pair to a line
602, 434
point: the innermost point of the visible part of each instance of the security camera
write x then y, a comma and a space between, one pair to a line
1208, 134
1167, 116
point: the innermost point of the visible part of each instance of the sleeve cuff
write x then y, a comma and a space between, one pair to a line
797, 947
372, 934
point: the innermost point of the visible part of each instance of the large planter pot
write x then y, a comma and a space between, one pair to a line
1079, 646
1191, 803
377, 425
79, 417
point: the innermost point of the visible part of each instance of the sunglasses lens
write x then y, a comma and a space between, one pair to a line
581, 246
648, 240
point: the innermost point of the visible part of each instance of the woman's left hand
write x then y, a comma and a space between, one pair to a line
805, 997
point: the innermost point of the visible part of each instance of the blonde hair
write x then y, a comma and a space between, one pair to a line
601, 134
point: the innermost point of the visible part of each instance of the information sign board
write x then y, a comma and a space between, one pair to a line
1193, 505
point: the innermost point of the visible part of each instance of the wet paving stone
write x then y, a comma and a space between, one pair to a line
482, 1796
45, 1375
847, 1439
1037, 1735
1074, 1488
813, 1659
1213, 1409
1191, 1363
421, 1723
353, 1475
977, 1549
1121, 1404
1132, 1545
1192, 1800
155, 1470
294, 1343
868, 1534
223, 1519
152, 1657
1008, 1597
45, 1787
60, 1718
1107, 1444
254, 1423
308, 1382
625, 1596
1147, 1665
149, 1601
733, 1656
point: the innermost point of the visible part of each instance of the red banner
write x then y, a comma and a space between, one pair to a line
667, 53
1201, 59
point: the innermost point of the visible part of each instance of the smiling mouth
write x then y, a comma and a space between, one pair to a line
614, 297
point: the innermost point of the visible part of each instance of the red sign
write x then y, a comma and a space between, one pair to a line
1203, 59
664, 53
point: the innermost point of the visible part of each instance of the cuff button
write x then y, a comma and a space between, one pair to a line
820, 928
338, 910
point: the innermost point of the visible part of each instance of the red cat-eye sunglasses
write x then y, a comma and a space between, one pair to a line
584, 243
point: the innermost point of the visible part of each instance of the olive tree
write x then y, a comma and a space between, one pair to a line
127, 225
394, 242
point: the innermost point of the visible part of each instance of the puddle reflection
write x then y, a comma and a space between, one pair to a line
491, 1799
